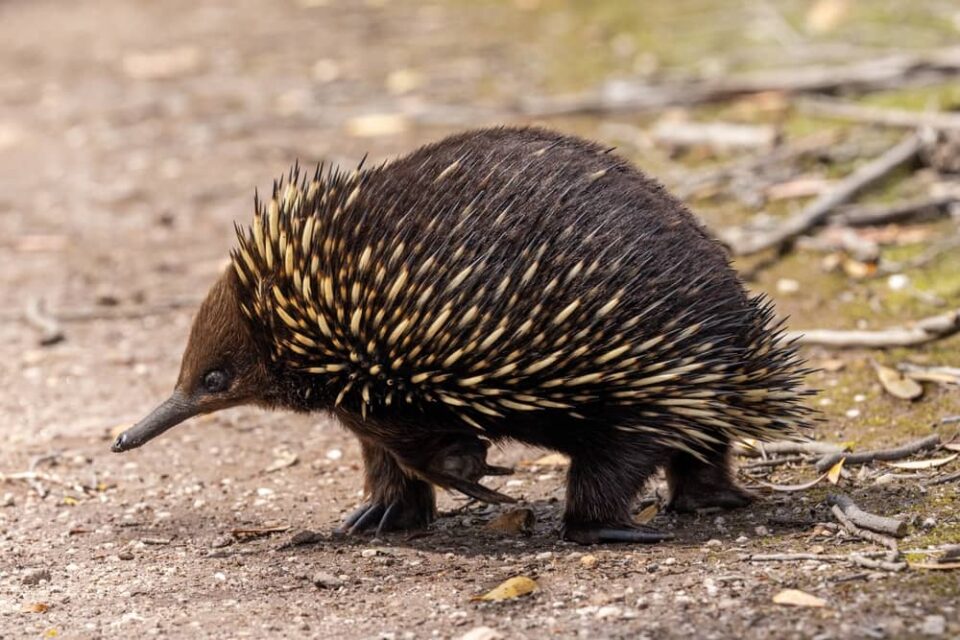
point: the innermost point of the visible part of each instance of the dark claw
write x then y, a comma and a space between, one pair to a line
385, 518
373, 514
491, 470
630, 533
469, 488
370, 514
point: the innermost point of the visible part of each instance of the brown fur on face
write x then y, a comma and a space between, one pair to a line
220, 340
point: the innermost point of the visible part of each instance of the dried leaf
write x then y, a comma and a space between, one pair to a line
647, 515
797, 598
552, 460
898, 385
826, 15
792, 487
833, 475
158, 65
832, 365
514, 522
283, 460
509, 589
374, 125
35, 607
924, 464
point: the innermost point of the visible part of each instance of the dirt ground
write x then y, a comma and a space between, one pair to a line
132, 135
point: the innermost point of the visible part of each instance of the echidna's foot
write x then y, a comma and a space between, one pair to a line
411, 511
597, 533
691, 499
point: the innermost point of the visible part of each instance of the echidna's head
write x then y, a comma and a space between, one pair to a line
221, 367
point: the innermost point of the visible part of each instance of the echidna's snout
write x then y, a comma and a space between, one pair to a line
174, 410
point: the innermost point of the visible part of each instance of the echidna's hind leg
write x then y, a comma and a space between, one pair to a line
602, 486
695, 484
394, 499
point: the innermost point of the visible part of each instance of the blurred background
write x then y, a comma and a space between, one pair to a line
133, 134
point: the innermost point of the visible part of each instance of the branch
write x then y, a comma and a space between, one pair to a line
880, 524
817, 211
864, 534
868, 215
921, 332
897, 118
897, 453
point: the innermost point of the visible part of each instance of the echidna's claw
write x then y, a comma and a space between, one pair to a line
596, 534
492, 470
368, 515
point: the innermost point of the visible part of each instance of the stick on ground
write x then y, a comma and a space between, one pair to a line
864, 534
817, 211
899, 118
896, 453
920, 332
871, 521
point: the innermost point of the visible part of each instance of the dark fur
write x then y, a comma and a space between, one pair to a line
574, 201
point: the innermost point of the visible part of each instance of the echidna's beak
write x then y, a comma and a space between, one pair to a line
172, 412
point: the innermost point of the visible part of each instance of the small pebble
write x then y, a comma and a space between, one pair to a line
219, 576
853, 413
934, 626
33, 577
325, 580
125, 555
7, 500
221, 542
588, 561
334, 454
928, 523
544, 555
713, 542
761, 531
368, 553
787, 285
482, 633
609, 611
898, 281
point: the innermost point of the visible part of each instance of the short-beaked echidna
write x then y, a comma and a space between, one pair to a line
502, 284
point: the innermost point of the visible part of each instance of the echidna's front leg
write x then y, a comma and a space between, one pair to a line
395, 500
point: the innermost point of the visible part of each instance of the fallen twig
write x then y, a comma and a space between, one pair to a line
885, 565
752, 163
37, 317
772, 462
943, 479
817, 211
920, 332
861, 518
896, 453
900, 118
865, 534
812, 447
867, 215
859, 559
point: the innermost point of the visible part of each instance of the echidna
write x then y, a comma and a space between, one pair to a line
502, 284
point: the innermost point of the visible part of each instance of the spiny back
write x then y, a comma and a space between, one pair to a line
510, 270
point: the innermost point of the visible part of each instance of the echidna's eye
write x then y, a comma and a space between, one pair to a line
215, 381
